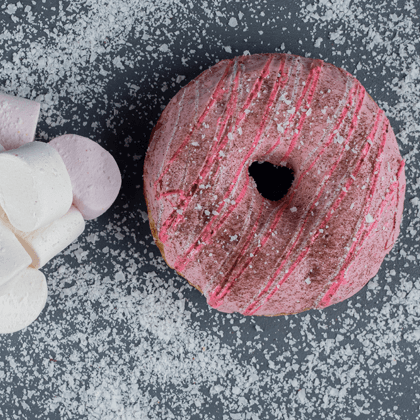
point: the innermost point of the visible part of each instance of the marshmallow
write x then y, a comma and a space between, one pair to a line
18, 120
94, 174
44, 243
13, 257
22, 300
35, 187
4, 288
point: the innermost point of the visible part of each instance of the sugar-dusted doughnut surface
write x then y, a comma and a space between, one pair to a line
320, 243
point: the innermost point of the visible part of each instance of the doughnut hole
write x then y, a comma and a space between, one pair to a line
273, 182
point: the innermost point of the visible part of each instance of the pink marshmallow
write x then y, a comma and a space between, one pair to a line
18, 120
94, 174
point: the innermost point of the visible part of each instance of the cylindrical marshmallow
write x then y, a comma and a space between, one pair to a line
22, 300
13, 257
44, 243
94, 174
18, 120
35, 187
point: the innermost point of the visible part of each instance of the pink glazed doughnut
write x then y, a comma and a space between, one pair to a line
320, 243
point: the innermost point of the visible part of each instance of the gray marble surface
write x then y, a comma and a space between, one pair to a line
122, 336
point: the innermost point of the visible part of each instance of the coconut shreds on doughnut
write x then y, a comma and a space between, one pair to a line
320, 243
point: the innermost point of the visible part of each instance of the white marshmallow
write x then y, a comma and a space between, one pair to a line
13, 257
44, 243
22, 300
18, 120
35, 187
4, 288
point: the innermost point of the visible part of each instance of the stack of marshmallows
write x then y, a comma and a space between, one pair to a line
47, 191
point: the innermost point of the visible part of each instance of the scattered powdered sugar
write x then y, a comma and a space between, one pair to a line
369, 219
122, 336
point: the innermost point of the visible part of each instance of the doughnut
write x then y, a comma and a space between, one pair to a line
326, 237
